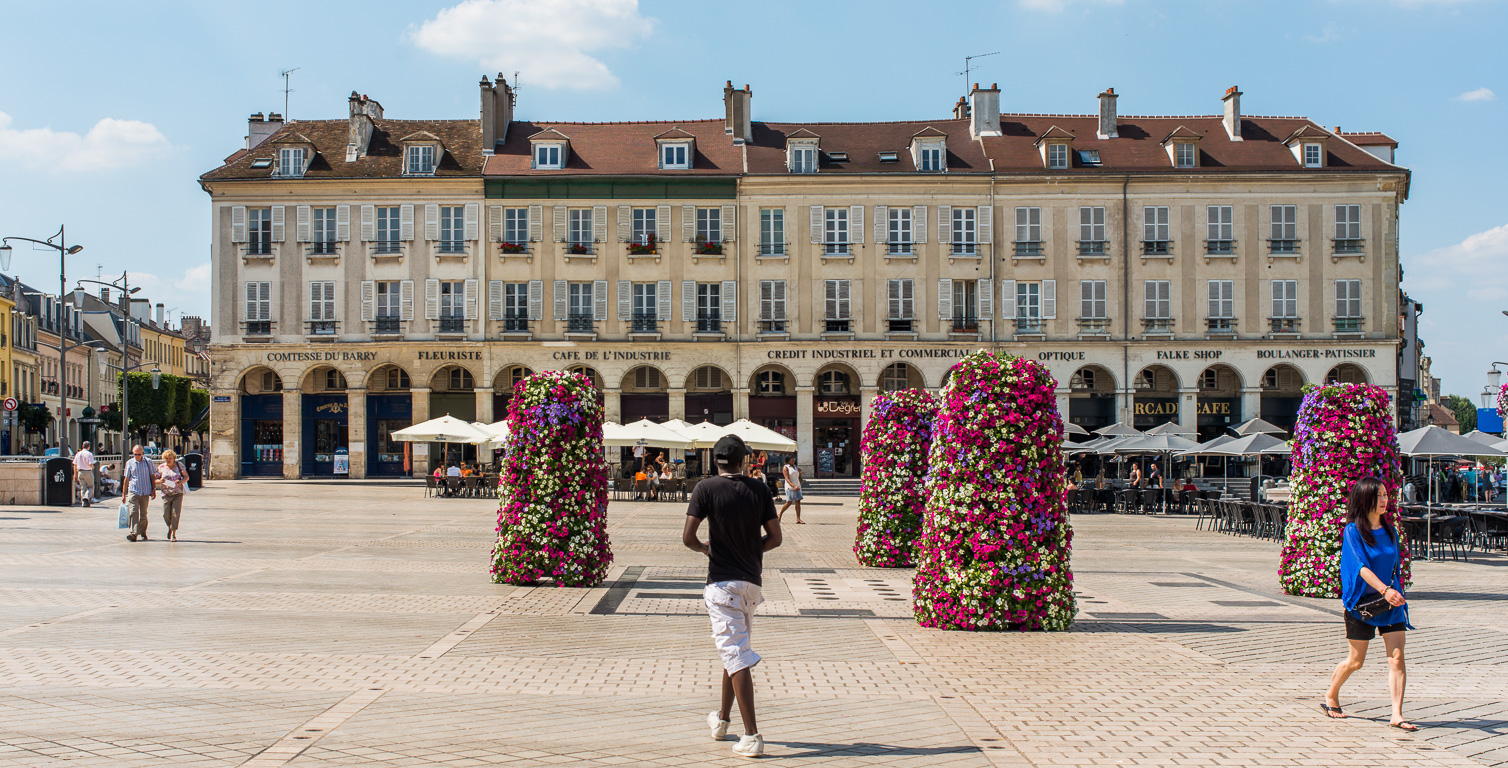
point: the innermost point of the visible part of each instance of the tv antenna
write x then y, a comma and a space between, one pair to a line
286, 75
967, 68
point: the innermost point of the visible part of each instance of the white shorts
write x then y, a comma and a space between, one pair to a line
731, 606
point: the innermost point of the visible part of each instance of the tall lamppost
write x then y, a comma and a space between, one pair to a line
123, 284
64, 251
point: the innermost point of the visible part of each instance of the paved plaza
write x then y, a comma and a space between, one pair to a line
306, 624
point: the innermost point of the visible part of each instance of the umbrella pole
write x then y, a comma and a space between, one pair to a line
1429, 511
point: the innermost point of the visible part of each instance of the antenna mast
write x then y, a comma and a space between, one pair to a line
967, 68
286, 90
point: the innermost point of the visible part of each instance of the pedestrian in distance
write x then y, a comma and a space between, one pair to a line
141, 488
1135, 481
741, 527
172, 478
792, 488
1369, 573
83, 473
1154, 477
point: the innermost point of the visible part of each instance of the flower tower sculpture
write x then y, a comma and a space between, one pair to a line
1503, 400
995, 544
1344, 433
894, 449
552, 524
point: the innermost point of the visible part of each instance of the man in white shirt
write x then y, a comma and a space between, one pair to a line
83, 473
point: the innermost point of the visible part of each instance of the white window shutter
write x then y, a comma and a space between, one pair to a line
238, 224
890, 300
304, 231
730, 300
945, 299
343, 223
817, 223
599, 226
945, 224
882, 223
688, 224
919, 224
599, 293
986, 222
473, 297
316, 297
730, 223
431, 221
536, 224
625, 223
431, 299
560, 225
560, 301
536, 299
406, 222
249, 307
1049, 299
662, 298
495, 299
368, 223
406, 300
277, 224
368, 301
662, 225
1007, 299
495, 224
986, 299
473, 226
688, 301
264, 296
625, 300
855, 223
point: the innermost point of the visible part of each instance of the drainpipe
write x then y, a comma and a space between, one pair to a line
1126, 285
994, 283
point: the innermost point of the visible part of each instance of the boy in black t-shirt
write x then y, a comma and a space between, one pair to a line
742, 526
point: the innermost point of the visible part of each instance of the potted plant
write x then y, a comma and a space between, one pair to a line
710, 248
513, 247
646, 248
578, 249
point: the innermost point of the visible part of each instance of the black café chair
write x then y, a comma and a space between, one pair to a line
1151, 499
431, 486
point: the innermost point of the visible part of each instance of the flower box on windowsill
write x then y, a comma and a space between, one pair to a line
513, 249
709, 249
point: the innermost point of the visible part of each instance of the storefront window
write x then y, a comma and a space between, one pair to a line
328, 436
267, 442
389, 451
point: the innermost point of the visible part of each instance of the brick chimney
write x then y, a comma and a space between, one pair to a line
1232, 120
259, 130
738, 108
497, 112
364, 114
961, 109
984, 111
1108, 123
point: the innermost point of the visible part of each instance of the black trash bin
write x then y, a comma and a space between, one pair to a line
193, 464
57, 483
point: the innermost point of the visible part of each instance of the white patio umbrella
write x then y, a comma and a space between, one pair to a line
1118, 429
1432, 441
643, 432
705, 434
1165, 444
1069, 428
1259, 426
445, 430
499, 431
760, 438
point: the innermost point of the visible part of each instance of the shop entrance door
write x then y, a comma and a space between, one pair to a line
835, 443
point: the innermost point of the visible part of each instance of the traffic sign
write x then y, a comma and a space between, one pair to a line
11, 404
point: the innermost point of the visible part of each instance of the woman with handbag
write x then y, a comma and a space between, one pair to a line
172, 478
1371, 594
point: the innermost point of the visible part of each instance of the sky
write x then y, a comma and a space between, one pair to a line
110, 111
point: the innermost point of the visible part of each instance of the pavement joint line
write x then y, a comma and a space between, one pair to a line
446, 643
212, 582
293, 743
899, 648
991, 743
59, 620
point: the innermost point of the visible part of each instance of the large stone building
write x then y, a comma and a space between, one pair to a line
370, 273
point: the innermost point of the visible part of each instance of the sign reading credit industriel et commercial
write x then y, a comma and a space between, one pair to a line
828, 353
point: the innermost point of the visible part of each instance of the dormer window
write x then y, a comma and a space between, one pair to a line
802, 158
419, 160
549, 156
932, 159
1057, 156
1308, 145
675, 155
1314, 154
929, 150
291, 162
1185, 155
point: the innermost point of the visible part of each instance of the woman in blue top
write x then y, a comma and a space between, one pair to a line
1369, 569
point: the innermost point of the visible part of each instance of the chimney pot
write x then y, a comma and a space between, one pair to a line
738, 108
1109, 127
984, 111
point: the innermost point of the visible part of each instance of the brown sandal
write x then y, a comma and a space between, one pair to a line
1333, 712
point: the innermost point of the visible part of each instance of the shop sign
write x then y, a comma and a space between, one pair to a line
827, 353
221, 398
334, 409
1188, 354
610, 355
838, 408
1333, 353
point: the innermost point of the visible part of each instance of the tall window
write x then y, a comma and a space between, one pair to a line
389, 299
965, 229
1057, 156
452, 299
1285, 299
772, 306
579, 231
323, 232
772, 231
547, 156
1313, 155
1028, 230
1092, 304
1221, 234
709, 307
902, 302
1158, 303
1347, 222
646, 307
516, 225
1285, 228
835, 230
291, 162
579, 307
1029, 301
932, 158
645, 223
1185, 154
899, 224
389, 228
1092, 229
803, 159
836, 296
259, 230
421, 160
965, 305
1348, 299
1156, 233
709, 225
515, 306
258, 301
322, 301
452, 229
1222, 304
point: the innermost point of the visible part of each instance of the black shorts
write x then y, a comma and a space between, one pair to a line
1356, 629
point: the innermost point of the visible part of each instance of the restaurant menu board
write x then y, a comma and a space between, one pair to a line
824, 460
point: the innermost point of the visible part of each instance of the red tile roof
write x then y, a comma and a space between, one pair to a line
462, 140
1369, 139
618, 149
863, 142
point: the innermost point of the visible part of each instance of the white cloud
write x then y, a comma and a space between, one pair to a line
1476, 262
1331, 33
549, 42
1480, 94
185, 294
1058, 6
109, 145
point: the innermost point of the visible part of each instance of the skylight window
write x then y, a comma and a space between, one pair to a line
890, 157
1089, 156
262, 162
838, 157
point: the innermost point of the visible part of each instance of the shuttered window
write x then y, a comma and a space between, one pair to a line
709, 226
1285, 299
899, 230
1222, 295
1158, 300
772, 232
835, 231
1092, 304
1348, 299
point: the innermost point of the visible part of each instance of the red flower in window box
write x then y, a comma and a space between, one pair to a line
648, 247
578, 249
513, 247
710, 248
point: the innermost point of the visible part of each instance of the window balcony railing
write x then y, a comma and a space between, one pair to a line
1029, 325
646, 322
259, 248
901, 325
835, 249
1222, 247
579, 322
452, 324
259, 328
1094, 325
1157, 247
389, 324
453, 247
387, 247
964, 249
836, 325
767, 325
1283, 246
709, 248
640, 246
1028, 247
899, 249
772, 249
1093, 247
1157, 324
1348, 324
321, 327
709, 322
1221, 324
323, 248
965, 323
515, 322
1285, 325
1348, 245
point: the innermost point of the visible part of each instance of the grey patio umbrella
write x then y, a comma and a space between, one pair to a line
1069, 428
1259, 426
1482, 437
1165, 444
1250, 445
1432, 441
1118, 429
1212, 448
1170, 428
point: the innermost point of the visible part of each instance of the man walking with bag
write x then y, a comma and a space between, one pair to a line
141, 488
742, 526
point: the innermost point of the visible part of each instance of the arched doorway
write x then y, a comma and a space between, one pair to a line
836, 426
709, 396
645, 395
1219, 402
1154, 397
452, 391
326, 422
1091, 397
1347, 373
502, 388
899, 376
261, 396
1282, 393
390, 407
590, 373
772, 399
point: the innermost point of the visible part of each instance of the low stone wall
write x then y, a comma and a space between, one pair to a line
20, 482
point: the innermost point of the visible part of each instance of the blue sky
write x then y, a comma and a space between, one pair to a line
110, 111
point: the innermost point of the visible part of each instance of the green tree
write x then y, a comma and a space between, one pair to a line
1464, 411
34, 417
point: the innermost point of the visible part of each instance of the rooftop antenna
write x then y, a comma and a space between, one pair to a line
515, 88
286, 90
967, 68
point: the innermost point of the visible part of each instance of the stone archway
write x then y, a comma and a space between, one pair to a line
709, 395
389, 408
1154, 398
1347, 373
836, 423
1091, 397
899, 375
1282, 393
1218, 405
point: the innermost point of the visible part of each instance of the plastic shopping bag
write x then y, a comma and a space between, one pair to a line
125, 517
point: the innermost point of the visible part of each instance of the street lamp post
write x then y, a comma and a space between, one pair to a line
64, 251
124, 286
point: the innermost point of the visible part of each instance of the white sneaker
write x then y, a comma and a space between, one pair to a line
718, 726
749, 746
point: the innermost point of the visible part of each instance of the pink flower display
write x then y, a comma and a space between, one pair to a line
1344, 433
1503, 400
995, 543
894, 449
552, 524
